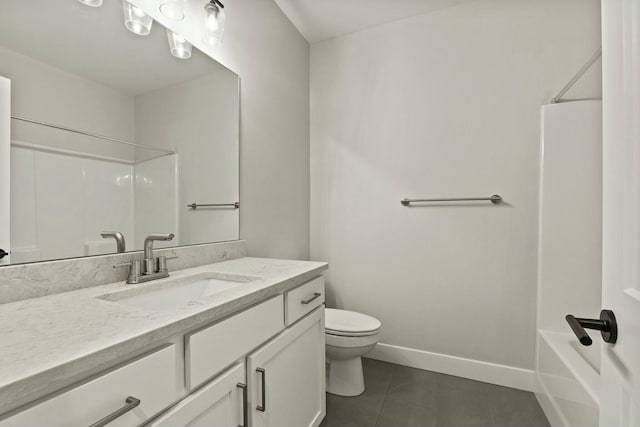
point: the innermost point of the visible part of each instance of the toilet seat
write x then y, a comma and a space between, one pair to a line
346, 323
351, 341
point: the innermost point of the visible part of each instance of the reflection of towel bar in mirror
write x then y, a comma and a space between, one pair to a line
495, 199
235, 205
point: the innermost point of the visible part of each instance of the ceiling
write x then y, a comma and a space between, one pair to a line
319, 20
94, 43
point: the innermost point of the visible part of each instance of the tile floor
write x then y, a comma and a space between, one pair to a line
406, 397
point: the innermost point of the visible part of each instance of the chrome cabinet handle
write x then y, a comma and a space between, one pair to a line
131, 403
245, 408
315, 296
263, 407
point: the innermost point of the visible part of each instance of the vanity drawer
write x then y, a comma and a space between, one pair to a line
304, 299
210, 350
151, 379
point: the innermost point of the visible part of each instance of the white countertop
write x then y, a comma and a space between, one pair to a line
51, 342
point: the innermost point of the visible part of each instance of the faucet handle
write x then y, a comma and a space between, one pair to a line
135, 267
123, 265
162, 262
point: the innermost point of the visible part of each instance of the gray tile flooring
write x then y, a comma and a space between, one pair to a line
397, 396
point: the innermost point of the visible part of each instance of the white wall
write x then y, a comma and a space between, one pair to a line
156, 201
61, 203
44, 93
272, 59
570, 240
199, 119
444, 104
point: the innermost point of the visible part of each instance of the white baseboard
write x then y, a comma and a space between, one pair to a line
549, 406
508, 376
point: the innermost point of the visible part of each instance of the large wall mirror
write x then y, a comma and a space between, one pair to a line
112, 133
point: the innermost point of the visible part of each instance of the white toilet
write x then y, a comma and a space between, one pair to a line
349, 336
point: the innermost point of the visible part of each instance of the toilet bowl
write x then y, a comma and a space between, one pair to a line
349, 336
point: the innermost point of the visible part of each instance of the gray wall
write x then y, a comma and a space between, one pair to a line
272, 59
441, 105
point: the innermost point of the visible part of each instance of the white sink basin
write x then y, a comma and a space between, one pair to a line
181, 292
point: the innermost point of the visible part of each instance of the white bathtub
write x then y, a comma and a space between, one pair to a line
568, 380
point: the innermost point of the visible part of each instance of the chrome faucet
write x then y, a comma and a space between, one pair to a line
149, 263
120, 244
150, 267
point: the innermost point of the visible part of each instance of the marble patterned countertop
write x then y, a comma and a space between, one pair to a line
50, 342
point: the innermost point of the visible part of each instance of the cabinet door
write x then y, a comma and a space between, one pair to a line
128, 395
220, 403
287, 377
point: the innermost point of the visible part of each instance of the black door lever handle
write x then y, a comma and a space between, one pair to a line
606, 325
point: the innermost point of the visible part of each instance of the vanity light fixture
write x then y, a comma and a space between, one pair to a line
136, 20
214, 19
173, 9
179, 46
92, 3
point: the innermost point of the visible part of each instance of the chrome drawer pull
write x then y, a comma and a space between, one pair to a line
315, 296
131, 403
245, 408
263, 407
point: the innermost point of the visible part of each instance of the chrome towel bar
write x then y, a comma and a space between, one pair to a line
235, 205
495, 199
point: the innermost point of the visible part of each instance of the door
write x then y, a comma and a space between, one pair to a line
221, 403
287, 377
5, 167
620, 372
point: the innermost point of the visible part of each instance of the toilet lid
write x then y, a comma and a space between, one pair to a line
343, 321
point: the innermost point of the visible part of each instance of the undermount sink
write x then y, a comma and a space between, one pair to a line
178, 292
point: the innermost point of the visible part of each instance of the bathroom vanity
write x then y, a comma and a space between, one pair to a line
114, 144
239, 342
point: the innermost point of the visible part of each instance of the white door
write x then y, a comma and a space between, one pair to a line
221, 403
5, 170
620, 372
287, 377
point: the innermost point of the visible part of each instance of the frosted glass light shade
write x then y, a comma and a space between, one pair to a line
92, 3
214, 19
173, 9
179, 46
136, 20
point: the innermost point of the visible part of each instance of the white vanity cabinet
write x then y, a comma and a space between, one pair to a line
220, 403
286, 377
261, 367
213, 348
303, 300
106, 399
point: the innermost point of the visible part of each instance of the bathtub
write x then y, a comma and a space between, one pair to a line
568, 380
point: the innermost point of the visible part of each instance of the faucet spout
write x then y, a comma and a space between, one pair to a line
148, 250
120, 243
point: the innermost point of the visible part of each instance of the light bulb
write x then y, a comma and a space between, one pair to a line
173, 9
179, 46
136, 20
92, 3
214, 19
